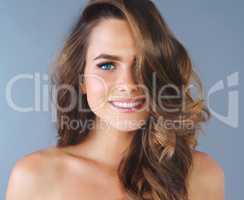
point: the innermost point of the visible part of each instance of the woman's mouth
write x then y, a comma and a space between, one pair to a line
128, 105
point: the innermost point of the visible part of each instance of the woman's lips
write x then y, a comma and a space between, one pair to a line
128, 100
128, 105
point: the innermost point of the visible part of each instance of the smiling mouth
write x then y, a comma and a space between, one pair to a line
128, 104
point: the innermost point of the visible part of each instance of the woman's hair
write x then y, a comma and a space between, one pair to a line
158, 161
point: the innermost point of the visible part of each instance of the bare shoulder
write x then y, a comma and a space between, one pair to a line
206, 179
30, 174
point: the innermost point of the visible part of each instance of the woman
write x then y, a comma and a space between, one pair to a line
127, 121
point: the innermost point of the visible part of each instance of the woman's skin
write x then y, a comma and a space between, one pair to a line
87, 171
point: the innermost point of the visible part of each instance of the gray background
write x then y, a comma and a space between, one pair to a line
31, 33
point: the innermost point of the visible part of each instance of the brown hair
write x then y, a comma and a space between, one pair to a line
158, 160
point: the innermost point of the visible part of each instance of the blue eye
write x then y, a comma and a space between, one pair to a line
106, 66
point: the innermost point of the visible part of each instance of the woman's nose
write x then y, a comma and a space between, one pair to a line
126, 82
131, 89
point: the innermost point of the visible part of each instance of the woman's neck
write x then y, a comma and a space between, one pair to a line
106, 145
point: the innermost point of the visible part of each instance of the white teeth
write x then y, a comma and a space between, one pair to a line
126, 105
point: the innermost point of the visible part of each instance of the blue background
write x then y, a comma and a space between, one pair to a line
32, 32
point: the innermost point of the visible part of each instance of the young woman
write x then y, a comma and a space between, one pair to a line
127, 120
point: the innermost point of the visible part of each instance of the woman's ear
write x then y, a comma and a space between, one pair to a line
83, 88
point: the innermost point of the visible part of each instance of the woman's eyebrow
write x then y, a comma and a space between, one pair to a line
109, 57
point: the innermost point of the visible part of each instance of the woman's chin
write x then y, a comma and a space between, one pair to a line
126, 125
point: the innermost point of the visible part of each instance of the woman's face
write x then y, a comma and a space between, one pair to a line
108, 76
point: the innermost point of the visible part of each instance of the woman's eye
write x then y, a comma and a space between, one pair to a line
106, 66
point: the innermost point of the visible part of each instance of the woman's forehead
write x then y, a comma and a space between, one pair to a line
112, 37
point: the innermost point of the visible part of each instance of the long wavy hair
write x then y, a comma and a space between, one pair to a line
157, 163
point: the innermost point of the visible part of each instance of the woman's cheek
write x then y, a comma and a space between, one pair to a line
97, 90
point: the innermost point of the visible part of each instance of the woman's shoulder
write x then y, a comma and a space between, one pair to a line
38, 160
204, 164
206, 178
32, 171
